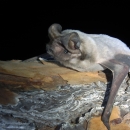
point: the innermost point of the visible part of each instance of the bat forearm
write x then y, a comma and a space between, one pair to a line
120, 71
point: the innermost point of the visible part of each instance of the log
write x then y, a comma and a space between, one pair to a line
39, 93
31, 74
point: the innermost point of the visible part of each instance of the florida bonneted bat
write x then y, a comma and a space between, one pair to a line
91, 52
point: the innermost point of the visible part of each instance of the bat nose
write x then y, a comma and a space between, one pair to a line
49, 50
48, 47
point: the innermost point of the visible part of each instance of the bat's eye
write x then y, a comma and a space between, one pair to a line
65, 51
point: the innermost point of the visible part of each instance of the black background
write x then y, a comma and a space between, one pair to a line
24, 24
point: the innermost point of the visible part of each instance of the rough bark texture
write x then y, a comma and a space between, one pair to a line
47, 96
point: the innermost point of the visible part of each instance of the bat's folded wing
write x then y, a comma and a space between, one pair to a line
120, 70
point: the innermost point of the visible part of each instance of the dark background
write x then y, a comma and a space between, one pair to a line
24, 24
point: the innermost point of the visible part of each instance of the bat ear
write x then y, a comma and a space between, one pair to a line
54, 31
72, 42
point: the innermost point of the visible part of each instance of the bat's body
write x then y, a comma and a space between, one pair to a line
90, 52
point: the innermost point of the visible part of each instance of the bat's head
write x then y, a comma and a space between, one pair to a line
63, 46
72, 48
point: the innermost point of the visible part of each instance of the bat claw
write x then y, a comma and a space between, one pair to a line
107, 125
105, 121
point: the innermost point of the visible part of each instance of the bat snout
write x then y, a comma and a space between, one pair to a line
49, 50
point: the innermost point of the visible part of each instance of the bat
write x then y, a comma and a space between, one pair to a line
91, 52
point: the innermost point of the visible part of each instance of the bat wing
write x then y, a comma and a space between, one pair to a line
120, 69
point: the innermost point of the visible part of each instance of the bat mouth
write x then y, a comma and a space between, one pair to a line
49, 50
